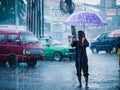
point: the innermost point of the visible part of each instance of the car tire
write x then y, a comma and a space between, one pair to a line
32, 62
95, 51
57, 56
13, 61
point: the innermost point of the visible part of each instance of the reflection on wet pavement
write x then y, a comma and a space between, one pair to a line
53, 75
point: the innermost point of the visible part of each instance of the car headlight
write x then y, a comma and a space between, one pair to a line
26, 51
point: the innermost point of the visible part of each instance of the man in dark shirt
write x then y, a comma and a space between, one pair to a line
81, 60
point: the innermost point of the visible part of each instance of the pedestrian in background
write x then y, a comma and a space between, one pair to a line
118, 52
81, 60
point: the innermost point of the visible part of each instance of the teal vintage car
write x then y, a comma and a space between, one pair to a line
54, 49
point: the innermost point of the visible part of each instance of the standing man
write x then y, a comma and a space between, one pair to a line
81, 60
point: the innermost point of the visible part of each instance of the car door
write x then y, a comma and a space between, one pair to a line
100, 42
46, 48
105, 42
50, 46
2, 46
12, 47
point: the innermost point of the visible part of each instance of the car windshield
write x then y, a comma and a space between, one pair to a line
28, 38
55, 42
103, 36
50, 42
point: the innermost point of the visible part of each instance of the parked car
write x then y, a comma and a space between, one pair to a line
104, 43
53, 49
19, 46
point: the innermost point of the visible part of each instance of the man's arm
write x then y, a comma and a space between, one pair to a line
86, 43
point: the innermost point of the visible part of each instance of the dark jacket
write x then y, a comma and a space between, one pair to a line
81, 54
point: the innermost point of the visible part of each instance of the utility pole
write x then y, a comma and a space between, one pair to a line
16, 13
35, 17
42, 17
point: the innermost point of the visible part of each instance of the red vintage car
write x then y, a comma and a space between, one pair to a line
19, 46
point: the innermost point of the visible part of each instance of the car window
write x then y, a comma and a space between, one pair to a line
2, 38
12, 38
103, 36
106, 36
28, 38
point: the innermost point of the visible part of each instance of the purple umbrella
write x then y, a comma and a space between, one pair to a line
84, 18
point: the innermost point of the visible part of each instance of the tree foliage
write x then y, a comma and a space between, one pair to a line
7, 11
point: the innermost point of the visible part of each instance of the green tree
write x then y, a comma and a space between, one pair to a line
7, 11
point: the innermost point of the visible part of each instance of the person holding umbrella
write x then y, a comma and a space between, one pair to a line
84, 19
116, 34
81, 60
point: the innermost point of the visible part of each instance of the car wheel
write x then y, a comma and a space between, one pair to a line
95, 51
57, 56
32, 62
114, 50
13, 61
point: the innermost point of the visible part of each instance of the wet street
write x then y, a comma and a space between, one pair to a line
54, 75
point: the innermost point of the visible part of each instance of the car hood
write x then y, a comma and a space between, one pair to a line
32, 46
63, 46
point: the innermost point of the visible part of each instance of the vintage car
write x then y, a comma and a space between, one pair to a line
104, 43
18, 46
54, 49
